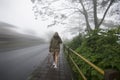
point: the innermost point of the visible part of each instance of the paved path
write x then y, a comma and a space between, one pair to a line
47, 72
21, 63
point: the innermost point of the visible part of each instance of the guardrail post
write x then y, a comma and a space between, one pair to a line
112, 75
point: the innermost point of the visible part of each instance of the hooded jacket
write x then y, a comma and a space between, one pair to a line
55, 43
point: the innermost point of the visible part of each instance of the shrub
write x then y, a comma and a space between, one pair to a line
101, 48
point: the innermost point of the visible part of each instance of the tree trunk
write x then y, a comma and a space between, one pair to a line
95, 14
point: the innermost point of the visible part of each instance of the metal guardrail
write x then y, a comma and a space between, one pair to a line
80, 72
108, 74
88, 62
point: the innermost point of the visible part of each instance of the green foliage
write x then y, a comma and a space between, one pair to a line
101, 48
76, 42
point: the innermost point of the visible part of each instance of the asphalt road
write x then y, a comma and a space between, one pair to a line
19, 64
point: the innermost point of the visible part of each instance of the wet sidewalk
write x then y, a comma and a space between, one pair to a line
47, 72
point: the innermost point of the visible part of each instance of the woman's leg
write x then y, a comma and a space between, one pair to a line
56, 57
53, 57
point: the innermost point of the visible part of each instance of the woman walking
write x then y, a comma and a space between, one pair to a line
55, 48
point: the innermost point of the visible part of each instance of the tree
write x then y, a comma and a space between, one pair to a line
97, 24
95, 4
90, 9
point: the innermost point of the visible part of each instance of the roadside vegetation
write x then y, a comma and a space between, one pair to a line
101, 47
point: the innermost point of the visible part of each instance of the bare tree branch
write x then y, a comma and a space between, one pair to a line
86, 17
106, 12
62, 21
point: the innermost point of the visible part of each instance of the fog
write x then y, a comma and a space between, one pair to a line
19, 28
19, 14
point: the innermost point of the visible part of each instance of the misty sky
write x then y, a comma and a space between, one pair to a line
20, 14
